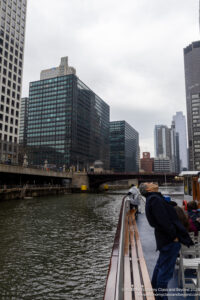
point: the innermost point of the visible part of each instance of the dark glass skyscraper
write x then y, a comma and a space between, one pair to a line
68, 123
124, 147
192, 86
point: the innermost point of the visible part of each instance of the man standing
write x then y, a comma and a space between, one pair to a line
169, 233
134, 196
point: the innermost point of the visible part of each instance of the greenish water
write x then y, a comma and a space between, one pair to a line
57, 247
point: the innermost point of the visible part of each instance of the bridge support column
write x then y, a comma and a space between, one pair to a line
80, 182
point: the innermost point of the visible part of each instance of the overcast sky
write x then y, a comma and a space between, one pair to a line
128, 52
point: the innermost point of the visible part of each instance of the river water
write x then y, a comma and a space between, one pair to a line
57, 247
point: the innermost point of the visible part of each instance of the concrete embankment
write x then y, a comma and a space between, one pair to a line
20, 193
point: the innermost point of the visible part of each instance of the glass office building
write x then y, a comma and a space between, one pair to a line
68, 124
124, 147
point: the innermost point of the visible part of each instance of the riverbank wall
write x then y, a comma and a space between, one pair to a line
22, 193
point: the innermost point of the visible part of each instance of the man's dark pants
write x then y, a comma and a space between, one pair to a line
164, 269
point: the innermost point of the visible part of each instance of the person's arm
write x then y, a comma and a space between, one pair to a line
161, 216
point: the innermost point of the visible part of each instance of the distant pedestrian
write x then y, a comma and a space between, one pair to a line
134, 196
169, 234
194, 217
185, 205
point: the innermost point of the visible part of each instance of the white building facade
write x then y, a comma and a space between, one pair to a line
162, 164
62, 70
12, 34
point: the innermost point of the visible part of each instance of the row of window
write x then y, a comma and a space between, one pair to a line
50, 139
42, 122
12, 113
50, 93
49, 102
14, 8
49, 107
8, 110
6, 129
52, 80
8, 101
47, 88
40, 126
57, 132
46, 129
8, 138
13, 44
59, 112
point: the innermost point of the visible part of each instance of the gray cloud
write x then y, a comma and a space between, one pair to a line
129, 52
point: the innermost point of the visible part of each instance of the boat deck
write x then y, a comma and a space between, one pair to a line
147, 239
133, 259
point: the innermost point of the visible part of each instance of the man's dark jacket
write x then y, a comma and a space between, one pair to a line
163, 217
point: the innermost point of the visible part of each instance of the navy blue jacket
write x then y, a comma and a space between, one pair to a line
163, 217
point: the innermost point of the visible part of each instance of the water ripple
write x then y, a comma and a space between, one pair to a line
56, 247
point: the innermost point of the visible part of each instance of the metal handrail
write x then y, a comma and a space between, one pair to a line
119, 295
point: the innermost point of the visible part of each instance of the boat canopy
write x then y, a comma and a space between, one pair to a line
189, 173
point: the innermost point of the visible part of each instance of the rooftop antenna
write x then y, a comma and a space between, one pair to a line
199, 15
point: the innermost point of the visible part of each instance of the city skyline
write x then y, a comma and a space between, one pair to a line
135, 54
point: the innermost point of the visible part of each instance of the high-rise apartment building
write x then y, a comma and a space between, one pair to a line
124, 147
23, 121
175, 157
167, 146
180, 128
68, 124
192, 87
12, 34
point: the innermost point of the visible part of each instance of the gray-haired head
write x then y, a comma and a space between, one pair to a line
143, 189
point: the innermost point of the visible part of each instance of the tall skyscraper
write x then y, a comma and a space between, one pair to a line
167, 147
124, 147
192, 87
68, 124
162, 142
12, 34
175, 157
180, 128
